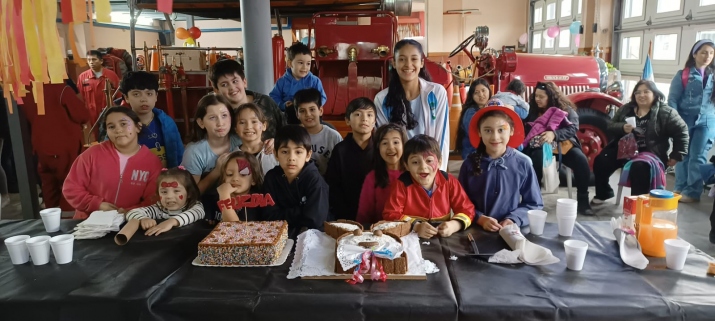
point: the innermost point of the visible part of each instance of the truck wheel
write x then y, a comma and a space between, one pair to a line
592, 132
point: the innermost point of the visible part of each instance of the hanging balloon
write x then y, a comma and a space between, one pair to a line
553, 31
195, 32
182, 33
577, 40
524, 38
575, 27
190, 42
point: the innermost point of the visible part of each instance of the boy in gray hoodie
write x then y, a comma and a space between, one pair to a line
512, 97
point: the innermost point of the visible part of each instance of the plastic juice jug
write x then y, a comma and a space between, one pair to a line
657, 221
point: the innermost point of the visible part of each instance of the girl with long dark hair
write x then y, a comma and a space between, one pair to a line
477, 97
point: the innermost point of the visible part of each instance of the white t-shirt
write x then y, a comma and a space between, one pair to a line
267, 161
323, 144
200, 159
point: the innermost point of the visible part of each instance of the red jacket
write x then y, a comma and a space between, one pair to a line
94, 178
92, 89
408, 201
59, 130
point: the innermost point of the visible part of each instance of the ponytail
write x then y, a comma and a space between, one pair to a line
475, 158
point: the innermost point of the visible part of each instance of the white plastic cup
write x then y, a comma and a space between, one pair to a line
62, 246
566, 202
537, 219
39, 248
17, 249
51, 219
566, 224
566, 207
575, 254
631, 121
676, 251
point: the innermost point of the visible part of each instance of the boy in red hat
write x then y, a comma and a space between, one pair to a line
493, 173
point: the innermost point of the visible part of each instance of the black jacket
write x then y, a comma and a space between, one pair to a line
303, 202
664, 123
347, 168
562, 134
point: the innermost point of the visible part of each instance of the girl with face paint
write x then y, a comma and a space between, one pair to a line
177, 203
117, 174
242, 175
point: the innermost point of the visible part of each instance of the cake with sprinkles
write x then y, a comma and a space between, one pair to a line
338, 228
399, 228
244, 243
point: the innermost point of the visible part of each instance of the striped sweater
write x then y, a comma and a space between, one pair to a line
155, 212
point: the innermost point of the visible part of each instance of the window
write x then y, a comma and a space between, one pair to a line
631, 47
580, 6
549, 43
565, 38
706, 34
668, 5
633, 8
536, 41
665, 47
124, 17
707, 3
565, 8
551, 11
538, 14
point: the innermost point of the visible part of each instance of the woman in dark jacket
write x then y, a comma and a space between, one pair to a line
656, 124
545, 96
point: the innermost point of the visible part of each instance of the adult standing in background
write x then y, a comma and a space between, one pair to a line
4, 135
91, 84
692, 95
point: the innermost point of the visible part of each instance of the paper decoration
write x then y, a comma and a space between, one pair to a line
165, 6
102, 10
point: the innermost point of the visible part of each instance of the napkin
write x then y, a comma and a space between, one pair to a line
99, 224
628, 246
528, 252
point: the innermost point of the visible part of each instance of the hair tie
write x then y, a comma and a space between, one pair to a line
181, 167
164, 169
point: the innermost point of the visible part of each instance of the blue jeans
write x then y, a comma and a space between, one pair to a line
688, 179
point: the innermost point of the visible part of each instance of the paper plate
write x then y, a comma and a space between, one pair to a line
280, 261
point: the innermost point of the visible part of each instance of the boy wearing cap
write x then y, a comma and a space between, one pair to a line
492, 173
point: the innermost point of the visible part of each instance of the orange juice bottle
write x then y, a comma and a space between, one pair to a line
658, 221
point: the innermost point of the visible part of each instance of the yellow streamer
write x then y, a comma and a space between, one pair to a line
103, 10
79, 10
38, 91
32, 41
55, 58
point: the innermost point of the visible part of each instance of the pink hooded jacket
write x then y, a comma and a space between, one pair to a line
552, 119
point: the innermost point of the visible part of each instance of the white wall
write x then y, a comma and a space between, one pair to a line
104, 36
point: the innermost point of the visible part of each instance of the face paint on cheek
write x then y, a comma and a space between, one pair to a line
434, 164
181, 197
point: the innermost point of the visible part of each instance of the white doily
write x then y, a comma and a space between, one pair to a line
315, 256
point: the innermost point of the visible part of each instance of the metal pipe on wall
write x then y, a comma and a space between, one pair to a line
132, 32
189, 22
256, 24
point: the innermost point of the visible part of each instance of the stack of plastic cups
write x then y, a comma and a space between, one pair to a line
39, 248
566, 215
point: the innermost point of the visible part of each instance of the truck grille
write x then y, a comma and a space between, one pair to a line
567, 90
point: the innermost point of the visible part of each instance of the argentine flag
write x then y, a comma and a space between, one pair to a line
648, 70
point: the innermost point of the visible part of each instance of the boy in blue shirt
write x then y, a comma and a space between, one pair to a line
297, 77
160, 134
300, 193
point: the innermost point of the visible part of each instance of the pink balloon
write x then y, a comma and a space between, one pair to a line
524, 38
577, 40
553, 31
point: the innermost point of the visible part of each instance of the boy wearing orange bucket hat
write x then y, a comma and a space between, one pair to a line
498, 179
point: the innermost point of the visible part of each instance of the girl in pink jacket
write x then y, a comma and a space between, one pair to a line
118, 174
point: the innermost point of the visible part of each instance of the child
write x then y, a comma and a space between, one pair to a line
351, 159
178, 203
299, 192
210, 142
412, 100
229, 80
512, 97
324, 138
250, 123
118, 174
241, 176
389, 140
492, 173
424, 195
297, 77
160, 134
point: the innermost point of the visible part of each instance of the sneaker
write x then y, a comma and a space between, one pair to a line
596, 201
685, 199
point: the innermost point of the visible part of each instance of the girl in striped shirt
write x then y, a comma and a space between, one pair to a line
178, 203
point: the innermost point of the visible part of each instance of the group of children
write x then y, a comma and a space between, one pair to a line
235, 169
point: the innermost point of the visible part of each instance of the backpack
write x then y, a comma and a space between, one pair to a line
684, 76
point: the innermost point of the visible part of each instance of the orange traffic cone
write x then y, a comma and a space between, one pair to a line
454, 111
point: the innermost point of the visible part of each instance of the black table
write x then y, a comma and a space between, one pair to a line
605, 288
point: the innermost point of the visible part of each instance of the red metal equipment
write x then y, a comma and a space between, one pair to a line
582, 78
279, 59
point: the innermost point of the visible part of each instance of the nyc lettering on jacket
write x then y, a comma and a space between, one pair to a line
139, 177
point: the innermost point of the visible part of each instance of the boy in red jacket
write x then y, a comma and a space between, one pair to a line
118, 174
424, 194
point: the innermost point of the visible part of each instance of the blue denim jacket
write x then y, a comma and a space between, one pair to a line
692, 101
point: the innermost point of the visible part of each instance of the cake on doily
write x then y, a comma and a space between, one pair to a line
375, 241
244, 243
338, 228
399, 228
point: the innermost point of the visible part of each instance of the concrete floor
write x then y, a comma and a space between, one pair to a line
693, 219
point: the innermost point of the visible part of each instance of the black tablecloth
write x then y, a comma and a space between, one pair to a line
152, 278
605, 288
